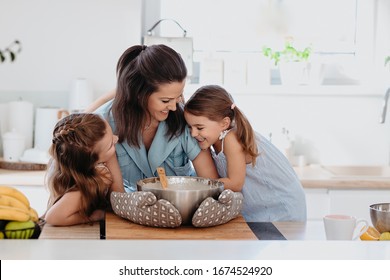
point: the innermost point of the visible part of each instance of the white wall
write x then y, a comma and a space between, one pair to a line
64, 40
335, 126
327, 130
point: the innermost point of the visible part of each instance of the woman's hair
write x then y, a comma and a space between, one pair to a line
73, 161
140, 72
216, 103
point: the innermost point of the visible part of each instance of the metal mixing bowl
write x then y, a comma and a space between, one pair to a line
380, 216
185, 200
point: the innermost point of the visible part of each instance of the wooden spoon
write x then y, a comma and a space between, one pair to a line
163, 177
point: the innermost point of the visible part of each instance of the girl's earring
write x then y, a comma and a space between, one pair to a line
223, 134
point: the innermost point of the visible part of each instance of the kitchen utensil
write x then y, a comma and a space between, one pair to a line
184, 192
342, 227
380, 216
163, 177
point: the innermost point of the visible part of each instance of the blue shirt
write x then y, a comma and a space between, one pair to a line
175, 154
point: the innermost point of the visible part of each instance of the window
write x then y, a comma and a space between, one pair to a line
341, 34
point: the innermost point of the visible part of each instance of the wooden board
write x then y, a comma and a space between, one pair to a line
119, 228
82, 231
22, 165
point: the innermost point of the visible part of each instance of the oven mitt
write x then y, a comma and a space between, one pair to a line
143, 208
213, 212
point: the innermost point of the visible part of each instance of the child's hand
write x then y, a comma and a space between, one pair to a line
143, 208
213, 213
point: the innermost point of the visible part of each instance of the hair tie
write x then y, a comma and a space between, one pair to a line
233, 106
144, 47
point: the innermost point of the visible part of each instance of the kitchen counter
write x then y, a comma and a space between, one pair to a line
22, 177
304, 241
311, 176
344, 177
192, 250
114, 227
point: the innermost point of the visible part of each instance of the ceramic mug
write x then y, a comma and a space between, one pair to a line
343, 227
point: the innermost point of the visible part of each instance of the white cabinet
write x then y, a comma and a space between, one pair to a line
317, 203
353, 202
356, 202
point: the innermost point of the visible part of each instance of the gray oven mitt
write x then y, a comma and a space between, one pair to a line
143, 208
212, 212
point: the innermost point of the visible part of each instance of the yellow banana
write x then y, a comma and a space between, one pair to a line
14, 214
33, 215
11, 191
6, 200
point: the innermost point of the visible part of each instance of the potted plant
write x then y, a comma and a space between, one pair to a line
292, 63
387, 60
11, 51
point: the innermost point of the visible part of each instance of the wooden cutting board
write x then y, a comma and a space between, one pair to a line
119, 228
21, 165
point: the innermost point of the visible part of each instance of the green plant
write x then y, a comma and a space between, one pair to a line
11, 51
288, 54
387, 60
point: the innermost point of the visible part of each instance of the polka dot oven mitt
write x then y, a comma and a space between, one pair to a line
213, 212
143, 208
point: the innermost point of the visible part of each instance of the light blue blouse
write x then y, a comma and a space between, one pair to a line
175, 154
272, 191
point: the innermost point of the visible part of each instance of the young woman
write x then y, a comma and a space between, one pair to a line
246, 161
147, 115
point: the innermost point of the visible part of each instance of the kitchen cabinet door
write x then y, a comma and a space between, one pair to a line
356, 202
317, 202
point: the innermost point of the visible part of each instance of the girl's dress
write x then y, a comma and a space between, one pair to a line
272, 191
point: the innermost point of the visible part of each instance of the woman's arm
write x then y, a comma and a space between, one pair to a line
236, 163
65, 212
204, 165
100, 101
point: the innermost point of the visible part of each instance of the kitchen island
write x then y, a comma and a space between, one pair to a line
301, 241
77, 249
114, 227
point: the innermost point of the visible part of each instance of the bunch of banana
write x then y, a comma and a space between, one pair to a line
15, 206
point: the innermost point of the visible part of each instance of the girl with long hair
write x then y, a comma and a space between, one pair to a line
246, 161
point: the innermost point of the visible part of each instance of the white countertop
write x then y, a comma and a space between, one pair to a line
22, 178
312, 176
191, 250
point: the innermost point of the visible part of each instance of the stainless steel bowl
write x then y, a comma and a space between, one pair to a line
184, 192
380, 216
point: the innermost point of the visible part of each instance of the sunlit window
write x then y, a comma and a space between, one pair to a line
338, 32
